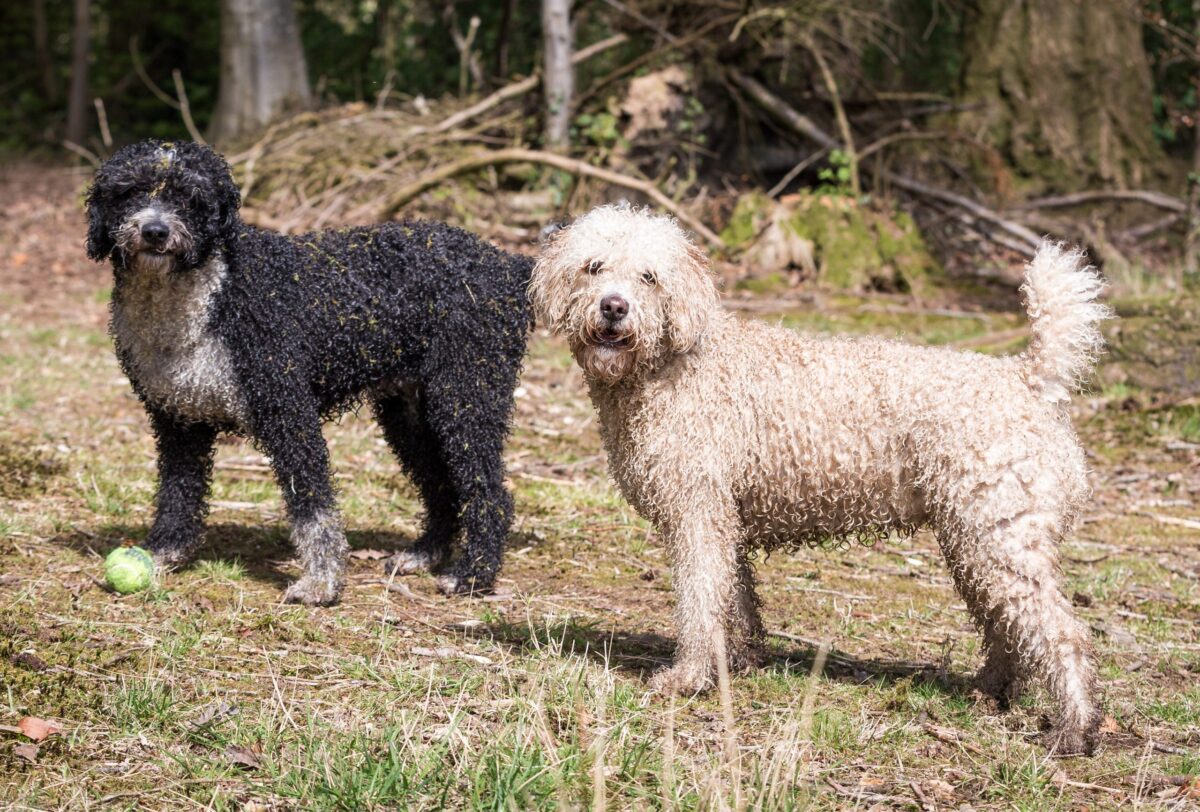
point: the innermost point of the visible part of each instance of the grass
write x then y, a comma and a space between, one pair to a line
209, 693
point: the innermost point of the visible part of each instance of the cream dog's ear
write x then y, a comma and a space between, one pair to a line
551, 283
691, 299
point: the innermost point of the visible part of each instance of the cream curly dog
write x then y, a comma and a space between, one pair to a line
730, 435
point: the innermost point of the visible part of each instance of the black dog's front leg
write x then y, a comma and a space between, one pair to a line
185, 458
293, 441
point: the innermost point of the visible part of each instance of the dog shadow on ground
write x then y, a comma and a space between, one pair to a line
262, 551
640, 654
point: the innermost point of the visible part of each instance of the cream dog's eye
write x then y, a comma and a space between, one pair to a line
594, 267
649, 278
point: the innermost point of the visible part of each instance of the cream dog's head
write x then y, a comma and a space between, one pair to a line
626, 287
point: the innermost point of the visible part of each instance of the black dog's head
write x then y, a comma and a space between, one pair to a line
159, 205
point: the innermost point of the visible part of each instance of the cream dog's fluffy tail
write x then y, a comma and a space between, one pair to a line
1060, 292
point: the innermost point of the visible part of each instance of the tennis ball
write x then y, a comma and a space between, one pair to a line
129, 569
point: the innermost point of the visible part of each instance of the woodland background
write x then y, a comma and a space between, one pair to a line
991, 122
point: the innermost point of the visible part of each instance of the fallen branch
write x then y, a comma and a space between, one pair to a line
520, 88
804, 126
1147, 196
798, 122
977, 210
1141, 232
140, 69
575, 167
185, 109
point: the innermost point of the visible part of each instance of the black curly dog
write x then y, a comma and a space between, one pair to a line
223, 327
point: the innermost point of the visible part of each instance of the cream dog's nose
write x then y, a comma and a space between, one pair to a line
614, 307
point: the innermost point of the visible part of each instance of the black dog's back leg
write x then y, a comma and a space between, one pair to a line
468, 411
290, 434
185, 458
416, 447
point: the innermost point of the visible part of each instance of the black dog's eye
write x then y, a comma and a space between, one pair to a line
649, 278
594, 267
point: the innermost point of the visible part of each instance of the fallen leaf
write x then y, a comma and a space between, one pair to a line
368, 555
29, 752
245, 757
37, 729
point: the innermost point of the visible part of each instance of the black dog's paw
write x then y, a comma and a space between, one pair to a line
464, 583
412, 561
169, 558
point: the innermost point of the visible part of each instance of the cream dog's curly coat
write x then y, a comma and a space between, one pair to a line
731, 435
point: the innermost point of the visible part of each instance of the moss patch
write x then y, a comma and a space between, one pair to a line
853, 246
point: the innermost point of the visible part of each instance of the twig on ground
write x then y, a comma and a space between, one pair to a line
1144, 230
1147, 196
572, 165
1190, 524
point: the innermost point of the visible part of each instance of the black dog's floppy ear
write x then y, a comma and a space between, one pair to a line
100, 244
228, 204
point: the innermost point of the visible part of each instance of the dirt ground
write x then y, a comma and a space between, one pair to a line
207, 692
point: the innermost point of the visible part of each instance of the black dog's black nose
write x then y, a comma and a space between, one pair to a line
614, 307
155, 232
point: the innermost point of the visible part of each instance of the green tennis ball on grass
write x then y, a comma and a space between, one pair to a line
129, 569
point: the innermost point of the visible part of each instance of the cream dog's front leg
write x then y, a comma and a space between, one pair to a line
703, 546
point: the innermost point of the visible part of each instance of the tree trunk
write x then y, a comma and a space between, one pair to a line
41, 50
78, 103
502, 40
1063, 89
559, 78
263, 73
1191, 248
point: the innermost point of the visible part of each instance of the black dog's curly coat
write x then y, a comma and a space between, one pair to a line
223, 327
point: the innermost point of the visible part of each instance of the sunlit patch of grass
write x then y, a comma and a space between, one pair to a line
1118, 391
1025, 784
1182, 709
220, 570
141, 705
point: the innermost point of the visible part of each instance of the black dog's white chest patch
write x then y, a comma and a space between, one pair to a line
161, 322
